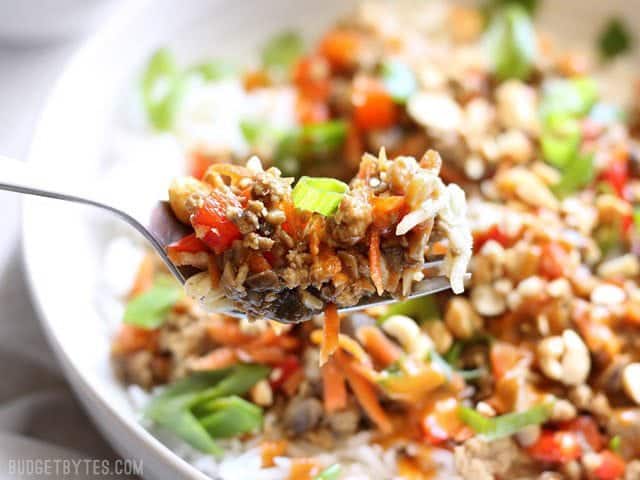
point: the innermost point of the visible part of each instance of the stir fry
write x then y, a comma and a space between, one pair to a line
286, 254
532, 372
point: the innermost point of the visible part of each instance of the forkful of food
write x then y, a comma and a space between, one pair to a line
246, 242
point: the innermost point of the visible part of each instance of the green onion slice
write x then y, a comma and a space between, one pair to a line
149, 310
321, 195
568, 97
330, 473
577, 173
511, 41
231, 416
560, 140
183, 406
615, 443
282, 50
504, 425
636, 219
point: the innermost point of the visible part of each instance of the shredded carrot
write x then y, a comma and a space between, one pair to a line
144, 277
132, 339
365, 393
214, 272
383, 351
226, 331
387, 211
271, 449
257, 263
375, 257
303, 469
334, 388
315, 234
220, 358
330, 330
266, 355
340, 48
438, 248
255, 79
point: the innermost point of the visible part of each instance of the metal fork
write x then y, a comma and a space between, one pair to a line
160, 228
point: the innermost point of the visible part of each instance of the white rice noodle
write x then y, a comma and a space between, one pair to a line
453, 221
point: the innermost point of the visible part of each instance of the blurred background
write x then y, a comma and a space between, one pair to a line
39, 417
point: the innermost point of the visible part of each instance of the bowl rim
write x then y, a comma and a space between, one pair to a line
84, 387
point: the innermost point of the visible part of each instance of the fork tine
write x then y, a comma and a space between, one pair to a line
428, 286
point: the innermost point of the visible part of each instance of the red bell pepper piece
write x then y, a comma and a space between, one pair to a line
555, 447
213, 226
617, 175
283, 371
188, 244
611, 466
493, 233
588, 428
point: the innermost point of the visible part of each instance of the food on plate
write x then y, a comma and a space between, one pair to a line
286, 252
531, 373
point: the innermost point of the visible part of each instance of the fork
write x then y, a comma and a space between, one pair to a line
161, 228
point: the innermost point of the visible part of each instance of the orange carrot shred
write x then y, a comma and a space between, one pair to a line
144, 277
272, 449
383, 351
219, 358
330, 332
375, 257
334, 388
365, 393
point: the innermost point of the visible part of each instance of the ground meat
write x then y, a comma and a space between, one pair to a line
135, 368
344, 422
625, 422
350, 223
478, 459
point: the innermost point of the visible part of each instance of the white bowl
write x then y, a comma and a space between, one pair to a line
63, 244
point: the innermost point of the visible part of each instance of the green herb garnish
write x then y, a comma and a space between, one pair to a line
615, 39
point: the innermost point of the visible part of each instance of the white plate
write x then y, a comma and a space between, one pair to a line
63, 244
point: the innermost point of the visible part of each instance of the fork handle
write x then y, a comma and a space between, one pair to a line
17, 176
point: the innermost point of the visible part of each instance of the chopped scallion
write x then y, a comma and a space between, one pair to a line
321, 195
330, 473
282, 50
504, 425
511, 41
204, 406
149, 309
